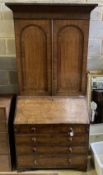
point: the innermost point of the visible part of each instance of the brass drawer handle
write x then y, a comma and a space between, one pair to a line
34, 149
71, 132
33, 139
33, 129
70, 150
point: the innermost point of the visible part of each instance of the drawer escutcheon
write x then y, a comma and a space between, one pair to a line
33, 129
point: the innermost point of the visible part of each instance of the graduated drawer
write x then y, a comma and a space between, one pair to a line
35, 162
51, 128
4, 149
37, 150
5, 163
48, 139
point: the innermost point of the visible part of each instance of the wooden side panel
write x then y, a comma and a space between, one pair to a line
5, 160
4, 146
2, 114
5, 163
33, 56
70, 48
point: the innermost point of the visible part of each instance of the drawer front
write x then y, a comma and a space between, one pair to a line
3, 127
55, 128
4, 149
37, 150
51, 139
5, 163
33, 162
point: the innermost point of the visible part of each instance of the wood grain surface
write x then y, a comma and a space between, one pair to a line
5, 160
51, 47
39, 110
5, 103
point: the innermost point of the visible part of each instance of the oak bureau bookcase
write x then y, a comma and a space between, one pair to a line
51, 53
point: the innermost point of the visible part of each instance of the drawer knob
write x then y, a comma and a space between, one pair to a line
70, 150
33, 139
34, 149
33, 129
71, 132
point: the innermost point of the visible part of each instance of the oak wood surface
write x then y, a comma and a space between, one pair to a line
50, 110
51, 10
44, 129
4, 145
51, 47
70, 40
39, 149
34, 56
33, 141
4, 105
3, 127
50, 161
45, 140
35, 129
5, 160
5, 164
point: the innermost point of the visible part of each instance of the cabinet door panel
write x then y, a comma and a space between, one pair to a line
69, 51
33, 39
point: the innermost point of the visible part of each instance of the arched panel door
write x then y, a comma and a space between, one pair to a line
70, 70
34, 59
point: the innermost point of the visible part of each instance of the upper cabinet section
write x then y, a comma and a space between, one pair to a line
51, 47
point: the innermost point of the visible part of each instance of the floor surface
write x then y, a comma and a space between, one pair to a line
61, 172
